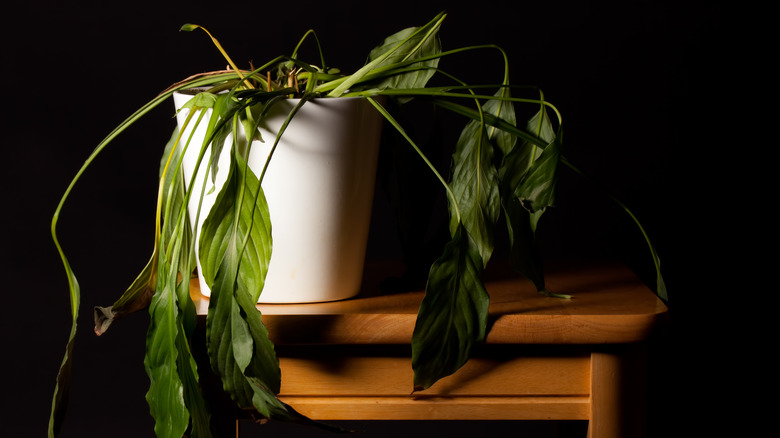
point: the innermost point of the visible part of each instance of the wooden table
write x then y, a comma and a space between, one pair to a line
544, 358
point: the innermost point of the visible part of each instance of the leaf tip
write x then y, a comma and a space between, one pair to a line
188, 27
104, 316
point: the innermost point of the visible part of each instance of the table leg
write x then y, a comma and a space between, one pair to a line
617, 392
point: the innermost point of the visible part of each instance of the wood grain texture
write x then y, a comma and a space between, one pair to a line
610, 305
453, 408
362, 375
544, 358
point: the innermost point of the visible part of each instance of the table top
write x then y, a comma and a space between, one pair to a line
609, 305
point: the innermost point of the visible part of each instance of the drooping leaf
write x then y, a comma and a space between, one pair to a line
172, 194
222, 338
238, 211
474, 180
503, 109
490, 119
166, 391
176, 231
174, 394
136, 297
217, 131
236, 250
200, 415
406, 45
474, 183
453, 315
176, 242
528, 175
535, 187
59, 404
260, 367
240, 350
523, 254
61, 390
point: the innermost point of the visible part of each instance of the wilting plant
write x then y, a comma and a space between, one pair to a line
500, 166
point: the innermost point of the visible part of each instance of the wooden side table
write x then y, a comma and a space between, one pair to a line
544, 358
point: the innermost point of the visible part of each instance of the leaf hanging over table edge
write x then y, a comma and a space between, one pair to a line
460, 322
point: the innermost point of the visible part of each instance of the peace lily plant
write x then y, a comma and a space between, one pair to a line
500, 166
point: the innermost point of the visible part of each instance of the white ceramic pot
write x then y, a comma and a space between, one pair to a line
319, 186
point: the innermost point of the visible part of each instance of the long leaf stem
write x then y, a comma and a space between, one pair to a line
496, 121
392, 69
430, 165
190, 27
319, 47
358, 75
660, 284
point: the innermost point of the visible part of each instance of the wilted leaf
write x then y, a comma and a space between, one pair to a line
235, 252
248, 210
474, 180
526, 195
136, 297
406, 45
474, 184
166, 392
172, 194
453, 315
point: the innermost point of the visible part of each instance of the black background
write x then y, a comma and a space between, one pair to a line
652, 107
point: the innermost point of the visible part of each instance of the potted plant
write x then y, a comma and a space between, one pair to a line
500, 166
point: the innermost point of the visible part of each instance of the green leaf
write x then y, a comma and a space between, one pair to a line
176, 230
61, 395
523, 254
474, 180
474, 184
502, 109
490, 120
453, 315
401, 50
182, 265
406, 45
166, 392
535, 186
217, 131
243, 212
61, 391
236, 248
174, 394
172, 195
200, 415
239, 347
528, 175
220, 334
136, 297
